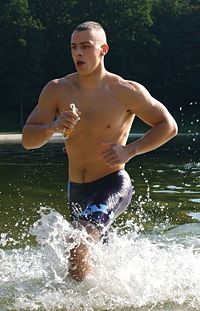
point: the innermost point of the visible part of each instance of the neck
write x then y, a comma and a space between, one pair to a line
94, 80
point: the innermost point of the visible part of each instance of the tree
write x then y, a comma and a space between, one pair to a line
20, 56
177, 61
155, 42
55, 19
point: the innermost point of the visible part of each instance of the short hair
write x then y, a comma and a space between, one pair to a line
89, 25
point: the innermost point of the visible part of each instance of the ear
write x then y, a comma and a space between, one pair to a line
104, 49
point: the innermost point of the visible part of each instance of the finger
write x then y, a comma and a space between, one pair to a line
110, 158
68, 124
69, 116
107, 144
68, 113
113, 163
76, 115
109, 150
109, 155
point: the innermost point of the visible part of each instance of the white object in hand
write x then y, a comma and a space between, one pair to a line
67, 132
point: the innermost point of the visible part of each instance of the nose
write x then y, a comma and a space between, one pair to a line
78, 51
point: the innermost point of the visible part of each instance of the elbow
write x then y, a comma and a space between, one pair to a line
25, 144
25, 140
173, 128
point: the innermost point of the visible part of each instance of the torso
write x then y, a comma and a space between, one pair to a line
105, 117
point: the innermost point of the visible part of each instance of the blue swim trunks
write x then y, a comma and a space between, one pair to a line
100, 202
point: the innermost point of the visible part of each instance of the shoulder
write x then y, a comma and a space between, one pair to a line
54, 89
63, 82
118, 83
128, 91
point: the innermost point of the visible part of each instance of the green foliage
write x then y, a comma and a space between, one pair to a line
177, 61
20, 53
155, 42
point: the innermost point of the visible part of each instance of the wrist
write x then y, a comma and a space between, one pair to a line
51, 129
132, 150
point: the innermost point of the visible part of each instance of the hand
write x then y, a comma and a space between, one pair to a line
66, 120
115, 154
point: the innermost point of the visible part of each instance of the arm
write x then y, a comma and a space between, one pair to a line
38, 128
42, 122
153, 113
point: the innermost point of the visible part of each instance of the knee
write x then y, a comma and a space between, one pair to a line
91, 230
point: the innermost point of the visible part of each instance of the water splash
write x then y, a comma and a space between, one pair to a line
134, 271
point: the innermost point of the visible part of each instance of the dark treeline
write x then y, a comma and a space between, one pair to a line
154, 42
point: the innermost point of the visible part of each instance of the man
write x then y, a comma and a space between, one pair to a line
99, 187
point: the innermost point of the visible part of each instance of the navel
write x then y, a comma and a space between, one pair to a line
108, 126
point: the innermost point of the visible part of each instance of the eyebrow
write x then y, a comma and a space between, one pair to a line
82, 43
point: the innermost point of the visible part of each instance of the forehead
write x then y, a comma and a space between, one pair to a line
86, 35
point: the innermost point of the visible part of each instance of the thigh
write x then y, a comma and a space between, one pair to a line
109, 197
76, 199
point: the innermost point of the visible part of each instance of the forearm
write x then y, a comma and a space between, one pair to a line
154, 138
35, 136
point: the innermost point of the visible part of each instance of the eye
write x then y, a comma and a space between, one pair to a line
86, 46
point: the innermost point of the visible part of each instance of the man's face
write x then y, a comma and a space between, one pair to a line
86, 49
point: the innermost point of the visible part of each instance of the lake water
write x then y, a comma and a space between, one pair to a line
152, 260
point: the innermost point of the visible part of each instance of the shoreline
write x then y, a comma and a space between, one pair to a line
56, 138
15, 138
9, 138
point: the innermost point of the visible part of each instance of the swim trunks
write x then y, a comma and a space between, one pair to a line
100, 202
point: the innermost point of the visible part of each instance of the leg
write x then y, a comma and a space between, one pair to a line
101, 201
80, 257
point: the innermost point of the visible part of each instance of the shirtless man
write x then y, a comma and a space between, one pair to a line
99, 187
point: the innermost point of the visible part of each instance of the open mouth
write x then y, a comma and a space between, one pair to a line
80, 63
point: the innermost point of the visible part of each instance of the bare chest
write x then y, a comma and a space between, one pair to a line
99, 110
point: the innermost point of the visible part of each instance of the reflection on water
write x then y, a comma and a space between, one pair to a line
152, 261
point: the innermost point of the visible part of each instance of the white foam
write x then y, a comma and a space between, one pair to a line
132, 271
